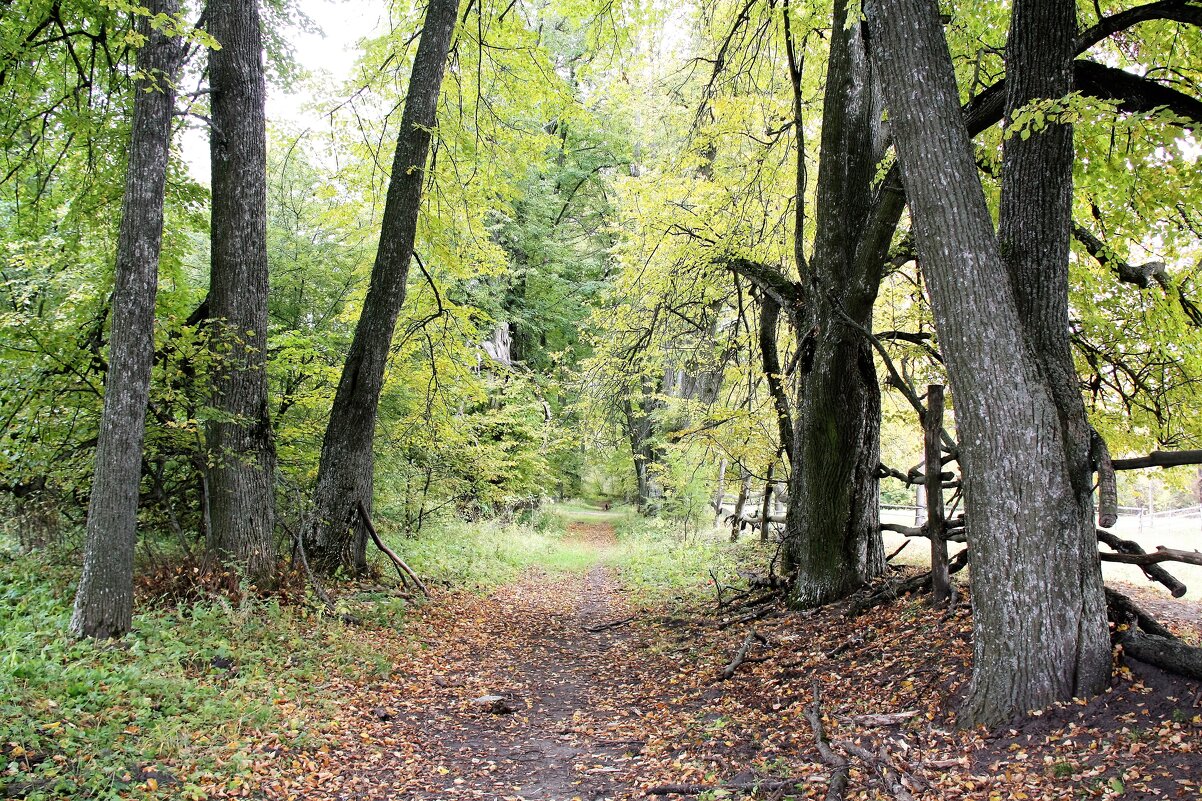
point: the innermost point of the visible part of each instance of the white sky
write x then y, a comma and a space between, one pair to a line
333, 52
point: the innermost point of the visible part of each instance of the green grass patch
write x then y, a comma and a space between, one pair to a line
660, 560
166, 710
487, 553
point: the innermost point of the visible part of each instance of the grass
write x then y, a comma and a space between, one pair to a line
161, 712
661, 560
176, 708
487, 553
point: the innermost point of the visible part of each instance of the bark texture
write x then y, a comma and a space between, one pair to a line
1034, 231
1032, 644
241, 480
645, 451
335, 537
104, 599
832, 539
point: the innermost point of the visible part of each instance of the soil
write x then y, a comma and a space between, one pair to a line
555, 688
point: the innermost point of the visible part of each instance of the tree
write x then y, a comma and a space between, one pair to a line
336, 536
1037, 598
104, 599
829, 427
240, 496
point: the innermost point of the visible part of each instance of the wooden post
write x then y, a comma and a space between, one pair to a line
941, 588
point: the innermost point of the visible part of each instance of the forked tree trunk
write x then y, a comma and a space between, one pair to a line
335, 538
241, 481
104, 599
1038, 638
832, 534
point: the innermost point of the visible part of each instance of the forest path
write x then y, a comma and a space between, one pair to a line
554, 688
528, 693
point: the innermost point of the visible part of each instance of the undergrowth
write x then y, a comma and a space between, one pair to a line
661, 560
162, 711
173, 709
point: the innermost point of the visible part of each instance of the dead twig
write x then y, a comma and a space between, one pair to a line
741, 654
403, 569
613, 624
752, 785
889, 774
838, 764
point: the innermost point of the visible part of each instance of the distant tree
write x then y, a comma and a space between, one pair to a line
240, 500
336, 535
104, 600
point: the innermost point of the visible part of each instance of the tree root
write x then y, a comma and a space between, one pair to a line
838, 765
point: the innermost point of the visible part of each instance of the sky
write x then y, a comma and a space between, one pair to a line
333, 51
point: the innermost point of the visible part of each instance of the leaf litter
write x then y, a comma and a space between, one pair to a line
527, 694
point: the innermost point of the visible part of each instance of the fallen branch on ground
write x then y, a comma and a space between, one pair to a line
1135, 613
838, 764
749, 617
741, 654
613, 624
895, 590
885, 719
403, 569
752, 785
1168, 654
889, 774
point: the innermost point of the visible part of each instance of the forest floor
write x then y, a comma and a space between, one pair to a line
556, 687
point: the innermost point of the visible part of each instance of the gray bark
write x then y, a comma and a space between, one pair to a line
1034, 233
720, 492
241, 481
832, 538
335, 537
645, 452
941, 584
104, 599
1035, 640
736, 519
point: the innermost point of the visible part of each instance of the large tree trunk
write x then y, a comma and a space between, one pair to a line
104, 600
241, 482
1034, 229
832, 536
344, 480
1036, 638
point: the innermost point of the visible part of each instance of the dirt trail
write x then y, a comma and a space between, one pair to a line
556, 732
589, 712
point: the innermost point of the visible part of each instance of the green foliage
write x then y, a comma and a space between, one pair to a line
661, 560
490, 552
84, 719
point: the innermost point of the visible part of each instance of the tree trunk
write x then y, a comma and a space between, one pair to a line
241, 449
1036, 637
941, 582
344, 480
832, 535
645, 453
720, 492
1034, 230
766, 506
104, 600
736, 519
